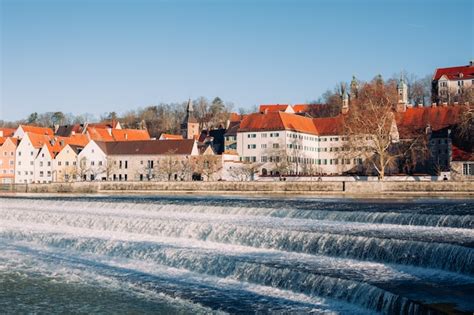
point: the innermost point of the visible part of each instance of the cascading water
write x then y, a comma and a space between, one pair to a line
191, 255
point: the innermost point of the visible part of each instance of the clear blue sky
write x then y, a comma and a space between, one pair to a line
104, 55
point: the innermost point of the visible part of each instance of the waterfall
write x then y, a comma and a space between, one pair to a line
365, 259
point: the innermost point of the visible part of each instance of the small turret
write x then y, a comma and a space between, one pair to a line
402, 90
345, 99
190, 125
354, 88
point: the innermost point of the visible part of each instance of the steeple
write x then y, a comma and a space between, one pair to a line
345, 99
402, 90
190, 125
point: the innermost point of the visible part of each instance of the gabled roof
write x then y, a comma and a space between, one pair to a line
306, 108
7, 132
165, 147
37, 130
266, 108
37, 140
167, 136
130, 134
461, 155
4, 139
329, 125
277, 121
415, 119
455, 73
68, 130
232, 129
236, 117
99, 134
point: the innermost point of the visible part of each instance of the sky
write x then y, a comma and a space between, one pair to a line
97, 56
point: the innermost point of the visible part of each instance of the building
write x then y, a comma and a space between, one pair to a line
26, 153
137, 160
65, 164
284, 143
22, 129
7, 160
190, 125
462, 164
451, 84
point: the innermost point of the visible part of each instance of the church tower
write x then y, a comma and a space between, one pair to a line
402, 90
345, 99
190, 125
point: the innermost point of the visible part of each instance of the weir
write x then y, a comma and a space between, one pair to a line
318, 254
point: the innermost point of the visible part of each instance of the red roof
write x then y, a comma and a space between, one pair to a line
38, 140
99, 134
130, 134
2, 140
461, 155
37, 130
286, 121
454, 73
273, 108
7, 132
236, 117
306, 108
167, 136
417, 118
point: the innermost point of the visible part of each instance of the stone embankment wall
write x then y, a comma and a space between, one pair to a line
349, 188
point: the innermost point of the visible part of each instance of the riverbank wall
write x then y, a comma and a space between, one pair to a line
312, 188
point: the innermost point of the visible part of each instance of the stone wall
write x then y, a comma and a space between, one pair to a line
348, 188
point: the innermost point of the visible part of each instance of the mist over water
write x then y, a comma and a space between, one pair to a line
200, 255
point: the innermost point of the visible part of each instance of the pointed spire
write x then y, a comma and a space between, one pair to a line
189, 107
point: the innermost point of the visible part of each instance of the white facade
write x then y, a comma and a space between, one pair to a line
25, 157
449, 89
65, 165
91, 163
43, 166
305, 153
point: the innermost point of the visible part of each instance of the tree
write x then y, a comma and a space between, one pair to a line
32, 119
208, 166
168, 166
58, 118
108, 168
370, 125
245, 171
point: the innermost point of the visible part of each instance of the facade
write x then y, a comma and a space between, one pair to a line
92, 162
285, 143
450, 84
462, 165
65, 164
7, 160
26, 153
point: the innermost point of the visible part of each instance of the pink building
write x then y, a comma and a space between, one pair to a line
7, 160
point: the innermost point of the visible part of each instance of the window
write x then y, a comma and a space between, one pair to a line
264, 159
468, 169
251, 135
41, 174
100, 163
49, 163
59, 163
252, 146
67, 163
263, 146
276, 145
263, 135
126, 166
92, 163
274, 134
41, 164
19, 153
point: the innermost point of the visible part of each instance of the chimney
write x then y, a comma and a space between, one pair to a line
61, 143
73, 133
471, 63
109, 130
126, 136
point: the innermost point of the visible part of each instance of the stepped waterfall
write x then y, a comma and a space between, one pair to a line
233, 255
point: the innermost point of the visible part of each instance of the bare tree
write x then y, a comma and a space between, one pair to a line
168, 166
370, 125
208, 166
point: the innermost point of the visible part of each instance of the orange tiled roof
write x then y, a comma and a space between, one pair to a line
277, 121
2, 140
272, 108
37, 130
38, 140
305, 108
105, 124
7, 132
99, 134
418, 118
329, 125
233, 117
167, 136
130, 134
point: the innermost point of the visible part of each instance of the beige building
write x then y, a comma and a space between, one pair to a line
65, 164
450, 84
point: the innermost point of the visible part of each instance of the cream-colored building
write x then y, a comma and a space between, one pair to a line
65, 165
450, 84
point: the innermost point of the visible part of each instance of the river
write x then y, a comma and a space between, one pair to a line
209, 254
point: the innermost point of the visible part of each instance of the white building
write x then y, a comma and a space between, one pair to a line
26, 154
449, 84
285, 143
